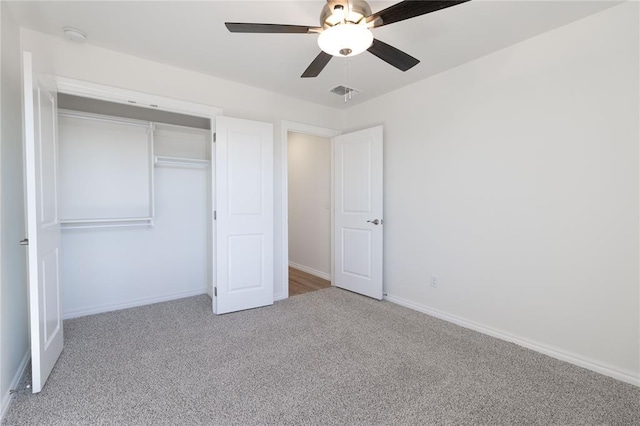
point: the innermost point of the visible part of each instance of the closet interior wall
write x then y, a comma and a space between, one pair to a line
134, 201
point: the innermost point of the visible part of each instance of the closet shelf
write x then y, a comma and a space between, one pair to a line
163, 161
105, 223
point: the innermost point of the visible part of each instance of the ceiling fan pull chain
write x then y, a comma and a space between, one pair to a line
346, 80
349, 90
349, 77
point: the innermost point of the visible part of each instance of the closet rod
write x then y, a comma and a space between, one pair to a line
107, 220
181, 162
115, 225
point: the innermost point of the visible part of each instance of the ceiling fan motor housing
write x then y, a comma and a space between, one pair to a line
354, 11
344, 32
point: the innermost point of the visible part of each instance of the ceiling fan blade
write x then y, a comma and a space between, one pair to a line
244, 27
317, 65
393, 56
409, 9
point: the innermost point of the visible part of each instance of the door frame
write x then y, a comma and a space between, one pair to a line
307, 129
102, 92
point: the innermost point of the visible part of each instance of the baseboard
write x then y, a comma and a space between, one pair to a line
279, 296
571, 358
311, 271
7, 397
131, 304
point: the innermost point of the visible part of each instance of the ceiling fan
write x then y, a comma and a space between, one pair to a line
345, 30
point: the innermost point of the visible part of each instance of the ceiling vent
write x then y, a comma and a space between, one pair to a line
343, 91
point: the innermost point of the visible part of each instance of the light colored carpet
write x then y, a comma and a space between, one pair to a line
328, 357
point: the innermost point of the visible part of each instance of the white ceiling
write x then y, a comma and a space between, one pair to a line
192, 35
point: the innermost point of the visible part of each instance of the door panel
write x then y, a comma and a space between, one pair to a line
244, 206
46, 127
356, 252
358, 203
245, 174
43, 228
245, 262
356, 172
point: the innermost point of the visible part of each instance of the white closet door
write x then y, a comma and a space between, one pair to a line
244, 209
358, 212
43, 225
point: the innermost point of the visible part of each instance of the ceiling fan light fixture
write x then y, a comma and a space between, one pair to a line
345, 40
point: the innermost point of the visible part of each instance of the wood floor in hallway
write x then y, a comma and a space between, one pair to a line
302, 282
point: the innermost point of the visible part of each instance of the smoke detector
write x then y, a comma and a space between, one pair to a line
74, 35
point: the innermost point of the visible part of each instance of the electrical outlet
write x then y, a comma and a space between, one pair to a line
434, 281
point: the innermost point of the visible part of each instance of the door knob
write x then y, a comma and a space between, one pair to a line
375, 221
24, 242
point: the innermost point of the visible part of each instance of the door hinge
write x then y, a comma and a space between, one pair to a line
215, 215
215, 292
24, 242
214, 137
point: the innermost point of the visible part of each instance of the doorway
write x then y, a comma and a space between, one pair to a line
308, 159
309, 195
356, 209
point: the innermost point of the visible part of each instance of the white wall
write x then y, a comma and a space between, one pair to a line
13, 281
114, 268
85, 62
514, 180
309, 187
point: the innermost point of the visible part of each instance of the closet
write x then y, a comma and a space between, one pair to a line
120, 205
134, 204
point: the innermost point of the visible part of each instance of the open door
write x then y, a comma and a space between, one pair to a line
43, 227
358, 212
244, 215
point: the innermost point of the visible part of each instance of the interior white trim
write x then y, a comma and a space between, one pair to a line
311, 271
285, 128
130, 97
556, 353
7, 397
132, 304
